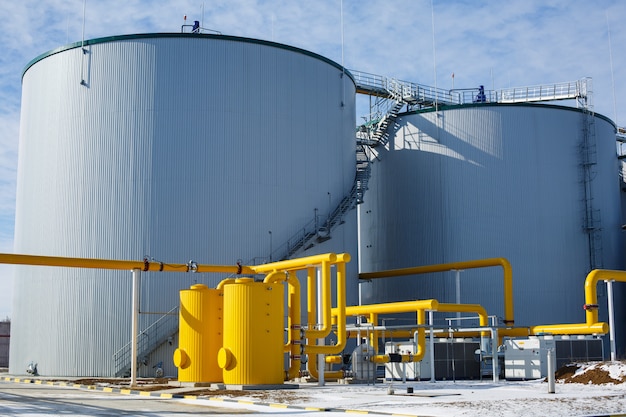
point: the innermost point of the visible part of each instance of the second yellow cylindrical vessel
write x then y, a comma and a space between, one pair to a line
252, 351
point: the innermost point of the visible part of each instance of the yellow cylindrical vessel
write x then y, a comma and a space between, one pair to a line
253, 333
200, 334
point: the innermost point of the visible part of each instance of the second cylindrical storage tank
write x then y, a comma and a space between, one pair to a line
536, 184
253, 333
175, 147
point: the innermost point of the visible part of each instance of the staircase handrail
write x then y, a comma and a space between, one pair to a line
122, 355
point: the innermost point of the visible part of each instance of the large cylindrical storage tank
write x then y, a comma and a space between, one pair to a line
175, 147
200, 335
253, 333
523, 182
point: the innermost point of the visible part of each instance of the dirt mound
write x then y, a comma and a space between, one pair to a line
594, 373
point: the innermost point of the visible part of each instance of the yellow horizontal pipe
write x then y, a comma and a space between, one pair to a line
577, 328
387, 358
151, 266
479, 263
391, 308
333, 359
295, 264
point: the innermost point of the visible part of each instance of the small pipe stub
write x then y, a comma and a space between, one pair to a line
590, 306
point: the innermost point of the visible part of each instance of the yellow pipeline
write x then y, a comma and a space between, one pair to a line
296, 264
15, 259
340, 314
324, 330
480, 263
223, 282
421, 315
313, 350
591, 325
591, 296
577, 328
421, 344
325, 260
311, 291
373, 310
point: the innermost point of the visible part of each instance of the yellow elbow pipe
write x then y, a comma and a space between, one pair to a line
225, 282
324, 330
483, 319
340, 314
591, 325
591, 295
295, 264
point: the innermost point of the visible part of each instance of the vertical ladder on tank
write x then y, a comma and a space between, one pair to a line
592, 220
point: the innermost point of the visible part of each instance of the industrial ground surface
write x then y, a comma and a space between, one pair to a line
592, 389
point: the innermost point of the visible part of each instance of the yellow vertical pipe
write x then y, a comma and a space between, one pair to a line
311, 291
373, 319
421, 336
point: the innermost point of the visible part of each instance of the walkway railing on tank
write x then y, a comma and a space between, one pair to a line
550, 92
426, 96
411, 93
148, 340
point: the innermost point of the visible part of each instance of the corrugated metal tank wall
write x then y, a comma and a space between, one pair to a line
177, 147
492, 181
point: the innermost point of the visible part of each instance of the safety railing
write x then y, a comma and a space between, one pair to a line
560, 91
148, 339
409, 92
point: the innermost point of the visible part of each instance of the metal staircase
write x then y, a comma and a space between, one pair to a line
148, 340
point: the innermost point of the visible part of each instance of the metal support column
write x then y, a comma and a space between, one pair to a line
135, 326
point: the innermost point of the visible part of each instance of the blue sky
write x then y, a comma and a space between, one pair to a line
495, 43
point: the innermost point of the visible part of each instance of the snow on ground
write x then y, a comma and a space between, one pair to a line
584, 389
465, 398
580, 391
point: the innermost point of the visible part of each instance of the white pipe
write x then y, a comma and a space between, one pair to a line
609, 292
494, 354
135, 326
432, 346
551, 371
